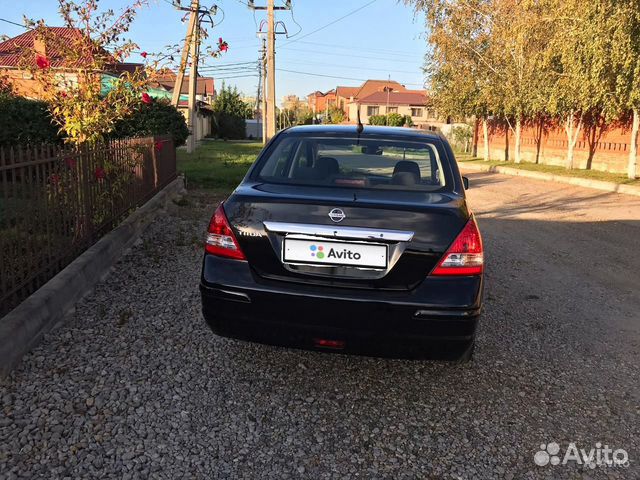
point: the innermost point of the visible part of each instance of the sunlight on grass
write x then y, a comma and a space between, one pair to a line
217, 165
554, 169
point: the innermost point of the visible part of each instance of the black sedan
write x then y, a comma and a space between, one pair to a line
348, 239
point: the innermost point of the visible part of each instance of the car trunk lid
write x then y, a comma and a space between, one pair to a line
413, 228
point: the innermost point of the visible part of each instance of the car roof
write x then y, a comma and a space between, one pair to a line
368, 130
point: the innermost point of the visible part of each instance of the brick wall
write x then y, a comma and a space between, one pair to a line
598, 147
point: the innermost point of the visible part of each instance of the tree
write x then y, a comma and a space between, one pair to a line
519, 38
230, 113
580, 62
459, 67
625, 24
73, 83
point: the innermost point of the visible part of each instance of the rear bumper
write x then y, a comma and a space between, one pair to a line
382, 323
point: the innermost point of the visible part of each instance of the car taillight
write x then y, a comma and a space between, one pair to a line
465, 255
220, 238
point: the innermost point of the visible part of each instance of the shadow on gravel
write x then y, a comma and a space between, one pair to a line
136, 386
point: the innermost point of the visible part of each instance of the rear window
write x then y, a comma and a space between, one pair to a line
354, 163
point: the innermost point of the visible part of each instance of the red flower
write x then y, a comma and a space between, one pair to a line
63, 94
42, 62
144, 54
159, 145
100, 173
54, 179
146, 98
70, 162
222, 45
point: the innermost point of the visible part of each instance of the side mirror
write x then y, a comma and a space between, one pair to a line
465, 182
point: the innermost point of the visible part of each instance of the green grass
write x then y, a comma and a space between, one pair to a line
217, 166
554, 169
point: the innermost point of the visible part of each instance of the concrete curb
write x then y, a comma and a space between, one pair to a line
23, 327
549, 177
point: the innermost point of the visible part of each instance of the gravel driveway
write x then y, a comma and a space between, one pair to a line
134, 385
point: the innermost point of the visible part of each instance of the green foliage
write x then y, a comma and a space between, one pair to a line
461, 135
391, 119
518, 60
395, 120
24, 121
229, 114
377, 120
335, 115
156, 118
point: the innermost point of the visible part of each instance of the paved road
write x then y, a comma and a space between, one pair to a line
135, 386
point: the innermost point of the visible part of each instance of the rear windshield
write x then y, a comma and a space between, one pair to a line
355, 163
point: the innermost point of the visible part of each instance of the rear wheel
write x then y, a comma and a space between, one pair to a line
467, 355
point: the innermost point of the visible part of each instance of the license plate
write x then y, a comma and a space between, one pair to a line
331, 252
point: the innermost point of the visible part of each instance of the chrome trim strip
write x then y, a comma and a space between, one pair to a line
339, 232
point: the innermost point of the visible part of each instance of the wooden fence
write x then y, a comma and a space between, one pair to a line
57, 201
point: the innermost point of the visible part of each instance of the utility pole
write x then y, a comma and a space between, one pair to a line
270, 86
263, 75
193, 20
271, 72
193, 80
191, 48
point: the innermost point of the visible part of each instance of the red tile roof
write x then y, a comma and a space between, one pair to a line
204, 85
13, 50
371, 86
395, 98
346, 92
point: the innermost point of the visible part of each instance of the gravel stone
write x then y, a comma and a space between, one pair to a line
159, 396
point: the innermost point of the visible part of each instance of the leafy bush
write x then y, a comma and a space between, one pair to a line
461, 135
24, 121
336, 115
395, 120
377, 120
391, 119
156, 118
229, 114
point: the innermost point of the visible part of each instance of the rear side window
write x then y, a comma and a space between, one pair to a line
355, 163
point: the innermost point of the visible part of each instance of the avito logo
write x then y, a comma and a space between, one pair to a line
320, 252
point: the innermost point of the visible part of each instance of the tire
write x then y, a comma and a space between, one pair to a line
467, 355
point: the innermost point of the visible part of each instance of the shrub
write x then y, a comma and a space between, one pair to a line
157, 118
408, 122
377, 120
336, 115
395, 120
24, 121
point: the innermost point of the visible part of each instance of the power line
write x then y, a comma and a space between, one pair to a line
334, 76
359, 49
296, 22
354, 67
332, 22
14, 23
236, 76
347, 55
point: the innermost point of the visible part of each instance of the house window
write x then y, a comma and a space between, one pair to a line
392, 109
416, 112
372, 110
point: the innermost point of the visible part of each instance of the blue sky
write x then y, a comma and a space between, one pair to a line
382, 39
